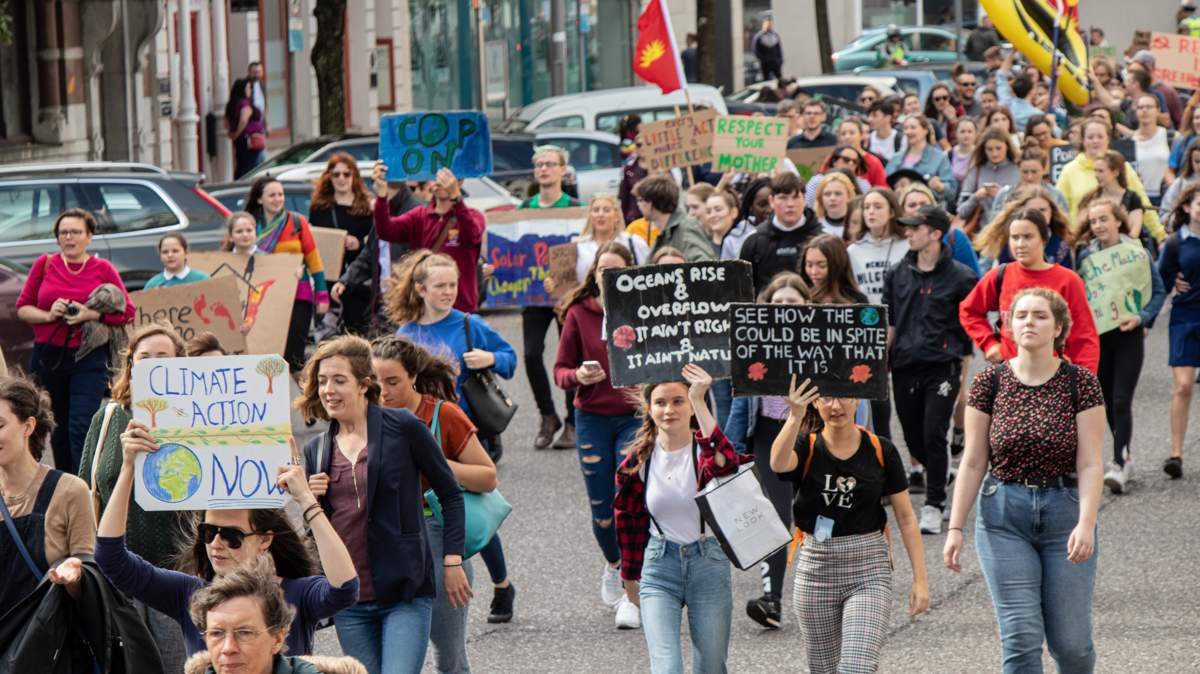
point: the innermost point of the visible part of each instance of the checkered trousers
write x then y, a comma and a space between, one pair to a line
843, 602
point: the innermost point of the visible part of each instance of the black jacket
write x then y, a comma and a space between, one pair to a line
44, 633
361, 275
923, 308
400, 450
772, 250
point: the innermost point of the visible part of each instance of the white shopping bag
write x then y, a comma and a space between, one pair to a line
742, 517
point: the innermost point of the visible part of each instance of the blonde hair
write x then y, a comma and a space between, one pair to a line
834, 177
914, 187
588, 228
121, 386
401, 302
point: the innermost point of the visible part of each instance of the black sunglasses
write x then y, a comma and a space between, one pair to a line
232, 536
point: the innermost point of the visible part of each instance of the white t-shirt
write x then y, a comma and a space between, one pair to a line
671, 495
1152, 156
885, 148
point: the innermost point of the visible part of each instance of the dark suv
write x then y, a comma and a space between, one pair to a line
134, 205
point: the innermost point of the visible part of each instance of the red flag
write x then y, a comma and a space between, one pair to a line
656, 58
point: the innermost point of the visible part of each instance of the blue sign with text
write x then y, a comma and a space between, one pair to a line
416, 145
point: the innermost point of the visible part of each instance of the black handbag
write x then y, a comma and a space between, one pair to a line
491, 408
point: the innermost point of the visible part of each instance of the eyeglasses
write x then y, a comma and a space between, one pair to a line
546, 164
241, 635
232, 536
866, 99
842, 157
970, 83
340, 174
71, 233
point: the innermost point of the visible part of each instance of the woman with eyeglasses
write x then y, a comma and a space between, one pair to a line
855, 131
223, 541
1153, 148
340, 200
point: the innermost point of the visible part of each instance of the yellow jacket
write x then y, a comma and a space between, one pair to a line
641, 227
1079, 178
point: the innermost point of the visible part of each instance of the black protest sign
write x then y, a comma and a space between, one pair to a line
842, 348
1060, 156
660, 318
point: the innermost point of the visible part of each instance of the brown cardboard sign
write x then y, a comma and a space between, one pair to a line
808, 160
331, 244
563, 259
205, 306
266, 289
677, 142
1176, 59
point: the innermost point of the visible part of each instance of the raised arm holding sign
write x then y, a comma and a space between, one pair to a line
417, 145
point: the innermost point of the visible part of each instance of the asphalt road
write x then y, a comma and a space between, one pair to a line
1146, 608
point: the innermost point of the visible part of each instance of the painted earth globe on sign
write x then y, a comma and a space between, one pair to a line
172, 474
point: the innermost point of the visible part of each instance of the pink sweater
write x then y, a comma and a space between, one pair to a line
49, 280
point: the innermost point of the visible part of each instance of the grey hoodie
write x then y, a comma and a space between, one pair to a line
870, 258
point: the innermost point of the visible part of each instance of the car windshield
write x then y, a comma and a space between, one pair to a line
864, 39
513, 124
295, 154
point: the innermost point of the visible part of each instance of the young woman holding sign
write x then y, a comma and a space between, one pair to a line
605, 418
843, 581
667, 559
1122, 349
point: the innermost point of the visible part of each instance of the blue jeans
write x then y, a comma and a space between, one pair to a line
76, 390
696, 576
1021, 536
601, 440
390, 639
722, 392
448, 627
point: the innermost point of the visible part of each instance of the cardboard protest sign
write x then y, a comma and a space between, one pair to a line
748, 144
518, 245
266, 289
808, 160
331, 244
1176, 59
1060, 156
1118, 284
563, 259
842, 348
205, 306
662, 317
222, 425
416, 145
677, 142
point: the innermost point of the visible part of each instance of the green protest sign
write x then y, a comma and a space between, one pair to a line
748, 144
1117, 280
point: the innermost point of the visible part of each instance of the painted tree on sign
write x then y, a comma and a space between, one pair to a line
153, 406
271, 368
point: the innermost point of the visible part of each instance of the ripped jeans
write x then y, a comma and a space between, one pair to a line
601, 440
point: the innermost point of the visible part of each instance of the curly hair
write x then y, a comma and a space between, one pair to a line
28, 401
1179, 215
323, 195
431, 375
401, 302
357, 352
256, 580
121, 385
994, 237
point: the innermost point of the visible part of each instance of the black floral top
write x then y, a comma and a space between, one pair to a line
1033, 434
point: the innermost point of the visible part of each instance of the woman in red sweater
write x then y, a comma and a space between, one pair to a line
54, 302
605, 418
1027, 237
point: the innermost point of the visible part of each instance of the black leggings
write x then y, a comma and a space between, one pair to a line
1121, 356
780, 493
535, 321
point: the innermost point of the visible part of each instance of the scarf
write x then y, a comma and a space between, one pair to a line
272, 231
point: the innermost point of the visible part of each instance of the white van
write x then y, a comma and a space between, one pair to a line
603, 110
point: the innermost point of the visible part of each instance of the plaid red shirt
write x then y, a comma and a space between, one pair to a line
629, 507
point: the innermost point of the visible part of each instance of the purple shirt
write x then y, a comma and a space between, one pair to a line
348, 500
256, 124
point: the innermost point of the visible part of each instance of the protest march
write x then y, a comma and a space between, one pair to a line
808, 358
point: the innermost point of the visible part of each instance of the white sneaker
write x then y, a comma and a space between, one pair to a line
1127, 470
946, 514
931, 520
1115, 479
628, 615
611, 590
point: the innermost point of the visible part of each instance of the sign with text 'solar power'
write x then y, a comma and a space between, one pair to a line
416, 145
222, 425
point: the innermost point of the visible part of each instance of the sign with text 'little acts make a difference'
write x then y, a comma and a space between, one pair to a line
1118, 284
678, 142
222, 424
518, 246
662, 317
748, 144
842, 348
416, 145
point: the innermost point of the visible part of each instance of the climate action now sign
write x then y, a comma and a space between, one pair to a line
749, 144
842, 348
660, 318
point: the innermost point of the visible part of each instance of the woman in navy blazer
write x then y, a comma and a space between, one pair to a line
367, 472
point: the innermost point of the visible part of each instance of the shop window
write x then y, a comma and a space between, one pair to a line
16, 94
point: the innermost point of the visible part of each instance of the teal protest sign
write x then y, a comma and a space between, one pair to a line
416, 145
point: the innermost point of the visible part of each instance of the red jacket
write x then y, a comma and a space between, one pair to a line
420, 228
582, 339
1083, 344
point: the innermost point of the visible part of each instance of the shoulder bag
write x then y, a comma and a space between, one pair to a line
492, 408
95, 491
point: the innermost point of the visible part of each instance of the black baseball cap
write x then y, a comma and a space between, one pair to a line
933, 216
895, 177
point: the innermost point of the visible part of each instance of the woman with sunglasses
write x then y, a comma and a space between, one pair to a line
340, 200
223, 541
943, 111
846, 159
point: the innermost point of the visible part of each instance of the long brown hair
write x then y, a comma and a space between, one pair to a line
1083, 230
893, 226
431, 375
785, 279
323, 195
840, 281
122, 392
28, 401
979, 157
292, 557
647, 433
1115, 161
357, 352
1179, 215
589, 287
401, 301
992, 240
